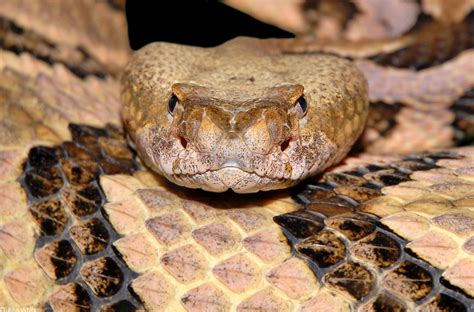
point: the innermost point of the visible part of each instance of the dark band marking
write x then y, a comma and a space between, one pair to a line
19, 40
435, 45
464, 121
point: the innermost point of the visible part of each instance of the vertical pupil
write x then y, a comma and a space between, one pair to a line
302, 102
172, 103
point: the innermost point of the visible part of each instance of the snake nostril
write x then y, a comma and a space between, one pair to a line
183, 141
285, 145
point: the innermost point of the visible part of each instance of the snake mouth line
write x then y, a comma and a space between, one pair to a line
236, 179
237, 168
220, 169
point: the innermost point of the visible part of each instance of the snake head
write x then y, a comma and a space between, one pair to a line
256, 121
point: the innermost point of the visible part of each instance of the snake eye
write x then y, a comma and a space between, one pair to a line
301, 106
172, 103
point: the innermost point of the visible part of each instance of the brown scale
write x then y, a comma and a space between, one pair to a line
43, 182
83, 200
302, 224
71, 293
387, 177
103, 276
352, 278
443, 303
354, 226
65, 200
413, 165
434, 44
343, 178
57, 258
324, 248
377, 249
347, 248
358, 193
383, 302
56, 219
90, 236
409, 280
327, 202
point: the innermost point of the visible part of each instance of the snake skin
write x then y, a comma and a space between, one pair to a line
115, 241
85, 225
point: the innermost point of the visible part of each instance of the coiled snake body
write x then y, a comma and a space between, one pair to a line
87, 224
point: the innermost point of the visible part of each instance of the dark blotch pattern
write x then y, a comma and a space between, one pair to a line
353, 225
90, 236
324, 248
351, 252
43, 157
463, 124
57, 258
19, 40
444, 303
83, 200
50, 215
384, 303
436, 44
71, 295
377, 249
300, 224
103, 276
65, 200
352, 278
387, 177
409, 281
120, 306
43, 181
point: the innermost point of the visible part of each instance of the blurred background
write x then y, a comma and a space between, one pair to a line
197, 22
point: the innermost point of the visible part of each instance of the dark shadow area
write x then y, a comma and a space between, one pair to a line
194, 22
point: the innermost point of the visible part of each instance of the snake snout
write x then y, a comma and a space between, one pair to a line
271, 133
254, 141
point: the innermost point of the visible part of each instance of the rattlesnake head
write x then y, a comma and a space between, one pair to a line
241, 116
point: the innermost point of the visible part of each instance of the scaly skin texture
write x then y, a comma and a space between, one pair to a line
239, 122
80, 229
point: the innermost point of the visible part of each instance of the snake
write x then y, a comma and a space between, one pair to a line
328, 173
